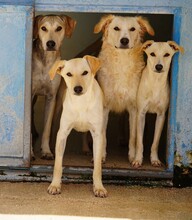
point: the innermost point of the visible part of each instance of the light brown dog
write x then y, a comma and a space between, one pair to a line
153, 94
83, 111
122, 64
49, 32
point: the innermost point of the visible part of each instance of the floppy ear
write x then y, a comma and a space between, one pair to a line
94, 63
56, 68
147, 44
103, 23
145, 26
36, 25
69, 25
175, 46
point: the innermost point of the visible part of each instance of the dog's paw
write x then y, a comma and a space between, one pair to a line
131, 159
156, 163
54, 189
47, 156
136, 163
100, 192
131, 156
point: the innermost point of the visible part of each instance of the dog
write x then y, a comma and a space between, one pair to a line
83, 111
122, 64
49, 32
153, 94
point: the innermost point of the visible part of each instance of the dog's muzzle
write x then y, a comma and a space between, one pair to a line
124, 43
50, 45
78, 90
159, 68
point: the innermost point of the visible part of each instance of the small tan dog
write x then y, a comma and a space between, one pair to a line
83, 111
153, 94
122, 64
49, 32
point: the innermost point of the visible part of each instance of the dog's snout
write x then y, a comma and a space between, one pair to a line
124, 41
78, 89
50, 44
159, 67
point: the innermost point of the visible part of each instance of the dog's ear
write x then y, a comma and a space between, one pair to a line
94, 63
36, 25
56, 68
145, 26
175, 46
103, 23
69, 25
147, 44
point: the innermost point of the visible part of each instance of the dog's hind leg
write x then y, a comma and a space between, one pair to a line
154, 149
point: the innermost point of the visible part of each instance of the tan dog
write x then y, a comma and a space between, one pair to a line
153, 94
122, 64
83, 111
49, 32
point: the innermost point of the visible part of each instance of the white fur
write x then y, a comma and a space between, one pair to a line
82, 111
122, 65
153, 94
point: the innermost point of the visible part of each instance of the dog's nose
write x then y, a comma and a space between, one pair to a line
159, 67
78, 89
50, 44
124, 41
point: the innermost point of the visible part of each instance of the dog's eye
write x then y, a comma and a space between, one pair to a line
84, 73
69, 74
167, 55
116, 28
132, 29
152, 54
59, 29
43, 28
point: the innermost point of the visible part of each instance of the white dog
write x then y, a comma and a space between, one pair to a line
122, 64
153, 94
83, 111
49, 32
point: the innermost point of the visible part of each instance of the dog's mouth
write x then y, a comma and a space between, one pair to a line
122, 47
51, 49
158, 71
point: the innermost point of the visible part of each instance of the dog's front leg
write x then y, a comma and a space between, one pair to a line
140, 131
154, 149
55, 186
98, 188
132, 133
105, 122
49, 110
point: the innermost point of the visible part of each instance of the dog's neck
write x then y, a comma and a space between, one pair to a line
155, 77
45, 57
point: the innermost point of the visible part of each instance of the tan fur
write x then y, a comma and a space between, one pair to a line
83, 111
153, 94
44, 56
122, 65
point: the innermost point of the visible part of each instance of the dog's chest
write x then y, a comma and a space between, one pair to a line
119, 78
41, 83
157, 98
83, 114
